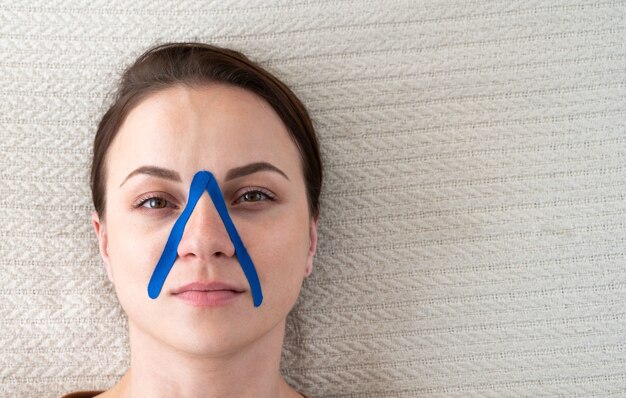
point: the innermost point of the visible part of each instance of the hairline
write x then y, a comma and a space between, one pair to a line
192, 83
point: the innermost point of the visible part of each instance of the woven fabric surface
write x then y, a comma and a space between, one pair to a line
473, 226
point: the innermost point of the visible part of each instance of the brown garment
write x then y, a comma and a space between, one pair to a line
82, 394
91, 394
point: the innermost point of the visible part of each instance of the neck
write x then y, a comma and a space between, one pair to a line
158, 370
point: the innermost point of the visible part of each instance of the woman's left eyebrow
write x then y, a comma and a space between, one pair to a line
252, 168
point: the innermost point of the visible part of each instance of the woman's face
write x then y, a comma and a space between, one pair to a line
164, 141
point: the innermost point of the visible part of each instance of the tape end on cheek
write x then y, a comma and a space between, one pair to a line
153, 293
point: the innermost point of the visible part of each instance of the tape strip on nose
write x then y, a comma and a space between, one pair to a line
203, 180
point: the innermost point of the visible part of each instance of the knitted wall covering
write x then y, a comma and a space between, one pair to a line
473, 230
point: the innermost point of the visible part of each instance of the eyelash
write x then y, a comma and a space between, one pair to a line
142, 200
262, 191
145, 198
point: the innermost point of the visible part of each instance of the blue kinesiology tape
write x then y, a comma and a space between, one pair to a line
203, 180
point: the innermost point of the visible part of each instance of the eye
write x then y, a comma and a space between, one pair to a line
154, 203
254, 195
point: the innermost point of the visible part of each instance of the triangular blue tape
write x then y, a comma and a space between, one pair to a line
203, 180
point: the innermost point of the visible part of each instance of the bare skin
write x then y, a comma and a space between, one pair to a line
227, 350
263, 383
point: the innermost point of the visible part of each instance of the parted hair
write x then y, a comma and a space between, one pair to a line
197, 64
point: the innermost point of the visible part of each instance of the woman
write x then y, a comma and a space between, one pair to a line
187, 109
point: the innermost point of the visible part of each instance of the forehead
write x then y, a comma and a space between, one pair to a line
213, 127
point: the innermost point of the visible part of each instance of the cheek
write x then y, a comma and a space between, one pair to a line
279, 249
133, 254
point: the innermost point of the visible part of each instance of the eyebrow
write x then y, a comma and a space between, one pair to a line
252, 168
233, 173
155, 171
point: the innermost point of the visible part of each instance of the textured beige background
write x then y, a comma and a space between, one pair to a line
473, 229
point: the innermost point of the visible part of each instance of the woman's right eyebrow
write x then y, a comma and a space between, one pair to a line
154, 171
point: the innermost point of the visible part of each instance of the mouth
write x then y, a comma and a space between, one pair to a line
208, 294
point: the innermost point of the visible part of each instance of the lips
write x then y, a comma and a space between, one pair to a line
208, 294
208, 287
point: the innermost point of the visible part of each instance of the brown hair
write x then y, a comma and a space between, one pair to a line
193, 64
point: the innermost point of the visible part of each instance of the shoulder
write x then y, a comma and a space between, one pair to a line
83, 394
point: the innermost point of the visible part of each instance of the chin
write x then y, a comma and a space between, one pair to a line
211, 332
209, 343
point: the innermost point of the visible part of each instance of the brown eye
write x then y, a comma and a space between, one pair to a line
254, 196
155, 203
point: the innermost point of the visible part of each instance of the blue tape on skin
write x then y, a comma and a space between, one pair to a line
201, 181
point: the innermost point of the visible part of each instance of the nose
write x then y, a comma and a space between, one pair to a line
205, 236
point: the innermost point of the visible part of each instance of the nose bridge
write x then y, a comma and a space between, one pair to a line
206, 230
205, 213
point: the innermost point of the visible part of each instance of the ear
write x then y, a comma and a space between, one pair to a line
312, 247
101, 233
